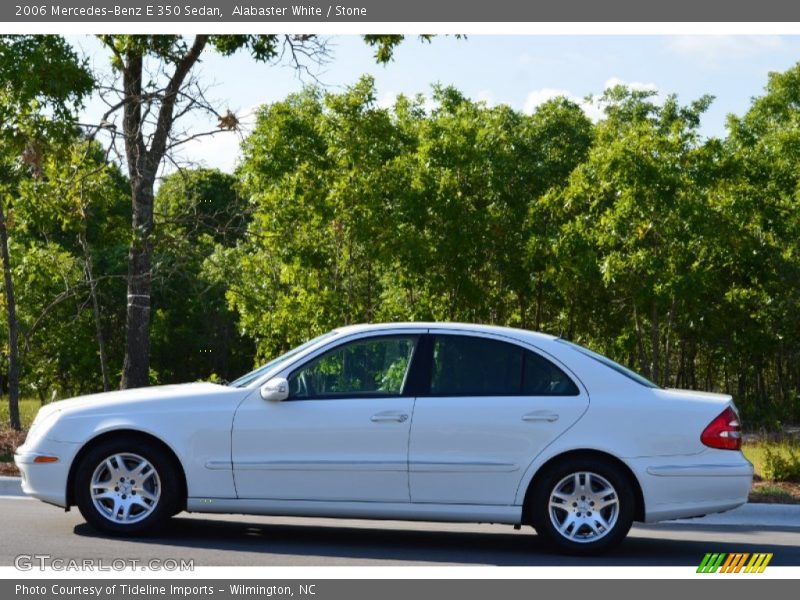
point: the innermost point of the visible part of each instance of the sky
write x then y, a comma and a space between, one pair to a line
519, 70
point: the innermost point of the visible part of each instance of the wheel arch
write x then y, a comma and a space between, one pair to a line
116, 434
639, 509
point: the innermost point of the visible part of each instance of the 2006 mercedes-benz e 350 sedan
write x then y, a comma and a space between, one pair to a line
417, 421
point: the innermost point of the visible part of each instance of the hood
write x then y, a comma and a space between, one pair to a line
140, 396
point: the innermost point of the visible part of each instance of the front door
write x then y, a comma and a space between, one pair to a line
342, 435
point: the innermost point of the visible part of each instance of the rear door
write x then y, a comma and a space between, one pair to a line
488, 408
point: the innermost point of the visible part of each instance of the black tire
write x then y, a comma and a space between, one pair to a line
124, 453
579, 537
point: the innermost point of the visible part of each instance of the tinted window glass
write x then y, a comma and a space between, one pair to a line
611, 364
543, 378
371, 367
473, 366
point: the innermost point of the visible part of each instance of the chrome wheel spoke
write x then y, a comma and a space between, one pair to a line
560, 496
143, 493
125, 488
576, 503
605, 503
570, 520
113, 469
141, 501
104, 494
598, 518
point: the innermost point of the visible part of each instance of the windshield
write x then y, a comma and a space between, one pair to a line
250, 377
611, 364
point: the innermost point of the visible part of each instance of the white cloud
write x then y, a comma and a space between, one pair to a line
592, 108
486, 96
387, 99
708, 50
538, 97
633, 85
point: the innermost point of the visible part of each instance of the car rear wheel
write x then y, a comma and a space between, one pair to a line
126, 487
583, 506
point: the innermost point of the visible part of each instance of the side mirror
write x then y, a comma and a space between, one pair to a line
275, 390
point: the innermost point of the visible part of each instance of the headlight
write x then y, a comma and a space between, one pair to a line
43, 421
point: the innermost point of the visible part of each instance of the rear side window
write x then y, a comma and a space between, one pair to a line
474, 366
543, 378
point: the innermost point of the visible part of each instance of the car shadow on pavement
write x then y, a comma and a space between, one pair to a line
515, 548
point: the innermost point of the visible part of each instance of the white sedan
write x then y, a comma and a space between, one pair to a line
416, 421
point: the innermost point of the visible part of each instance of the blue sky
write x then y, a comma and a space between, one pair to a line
519, 70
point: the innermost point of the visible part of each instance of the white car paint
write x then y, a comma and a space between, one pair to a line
449, 459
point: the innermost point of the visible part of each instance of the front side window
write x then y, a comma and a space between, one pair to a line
475, 366
374, 367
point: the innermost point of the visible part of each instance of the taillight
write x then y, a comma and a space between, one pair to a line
724, 432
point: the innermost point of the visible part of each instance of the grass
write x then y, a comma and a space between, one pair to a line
763, 453
28, 407
10, 439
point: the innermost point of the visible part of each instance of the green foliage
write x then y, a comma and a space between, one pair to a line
674, 254
363, 213
783, 463
38, 101
194, 334
28, 407
77, 196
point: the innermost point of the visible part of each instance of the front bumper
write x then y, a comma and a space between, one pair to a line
46, 481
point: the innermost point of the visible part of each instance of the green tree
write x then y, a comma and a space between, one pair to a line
37, 108
158, 87
637, 202
363, 213
194, 333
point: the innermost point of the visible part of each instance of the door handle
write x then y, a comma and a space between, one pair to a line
540, 416
389, 417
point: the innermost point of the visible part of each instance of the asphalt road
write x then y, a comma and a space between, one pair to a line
31, 527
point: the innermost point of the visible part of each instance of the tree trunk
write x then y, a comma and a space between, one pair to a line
667, 370
640, 341
539, 299
142, 167
101, 345
13, 328
655, 364
136, 366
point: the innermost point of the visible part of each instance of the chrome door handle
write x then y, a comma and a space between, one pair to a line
387, 417
540, 416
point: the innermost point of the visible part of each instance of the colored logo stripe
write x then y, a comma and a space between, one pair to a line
734, 562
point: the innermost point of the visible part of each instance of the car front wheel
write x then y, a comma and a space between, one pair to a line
583, 506
126, 487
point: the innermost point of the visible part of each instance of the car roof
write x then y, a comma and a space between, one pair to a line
522, 334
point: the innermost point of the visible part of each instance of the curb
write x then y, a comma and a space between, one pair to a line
10, 486
752, 515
